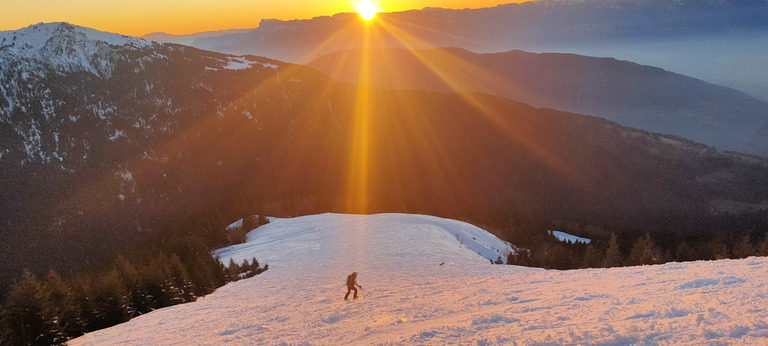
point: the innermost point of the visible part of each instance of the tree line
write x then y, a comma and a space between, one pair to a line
549, 252
168, 269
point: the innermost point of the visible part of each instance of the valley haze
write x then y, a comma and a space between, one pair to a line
717, 41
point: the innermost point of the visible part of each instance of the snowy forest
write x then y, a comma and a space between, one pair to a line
168, 268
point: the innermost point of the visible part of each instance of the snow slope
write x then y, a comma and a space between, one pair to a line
410, 298
64, 46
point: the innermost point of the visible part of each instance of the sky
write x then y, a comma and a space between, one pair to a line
140, 17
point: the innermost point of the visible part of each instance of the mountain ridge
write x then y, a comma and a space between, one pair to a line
634, 95
187, 39
64, 45
509, 26
716, 41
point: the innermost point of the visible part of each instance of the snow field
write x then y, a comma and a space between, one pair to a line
410, 298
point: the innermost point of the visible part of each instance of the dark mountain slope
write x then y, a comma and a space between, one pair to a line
178, 136
634, 95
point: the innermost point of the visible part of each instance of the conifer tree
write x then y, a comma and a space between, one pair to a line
763, 250
542, 257
612, 253
25, 323
512, 258
5, 329
744, 248
59, 311
153, 278
591, 258
82, 286
523, 258
107, 301
684, 252
132, 285
179, 287
718, 249
643, 251
233, 271
255, 268
205, 272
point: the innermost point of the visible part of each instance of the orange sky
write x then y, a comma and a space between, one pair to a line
139, 17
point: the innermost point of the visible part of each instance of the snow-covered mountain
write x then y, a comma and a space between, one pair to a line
65, 47
424, 283
47, 71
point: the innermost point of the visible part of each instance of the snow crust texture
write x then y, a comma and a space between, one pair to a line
411, 298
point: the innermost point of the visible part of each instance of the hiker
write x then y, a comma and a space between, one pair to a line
351, 283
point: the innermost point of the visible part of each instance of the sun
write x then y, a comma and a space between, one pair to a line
366, 9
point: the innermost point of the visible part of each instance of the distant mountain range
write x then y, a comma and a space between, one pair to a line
720, 41
634, 95
537, 24
189, 39
104, 138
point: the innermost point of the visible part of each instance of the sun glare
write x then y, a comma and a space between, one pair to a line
366, 9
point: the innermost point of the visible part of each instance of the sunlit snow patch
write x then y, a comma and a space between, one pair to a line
376, 239
242, 63
236, 224
569, 238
